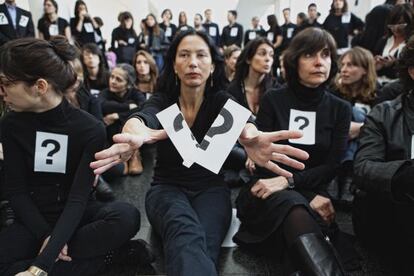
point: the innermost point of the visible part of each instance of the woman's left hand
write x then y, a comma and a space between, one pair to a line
261, 149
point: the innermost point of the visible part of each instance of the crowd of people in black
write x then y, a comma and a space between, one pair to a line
351, 82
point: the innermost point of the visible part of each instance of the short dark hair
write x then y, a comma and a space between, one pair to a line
167, 10
308, 41
167, 82
286, 9
199, 15
102, 78
233, 12
405, 61
312, 5
29, 59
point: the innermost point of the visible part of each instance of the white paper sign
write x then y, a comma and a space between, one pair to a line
218, 142
3, 19
23, 21
88, 27
50, 152
364, 107
212, 31
346, 18
131, 40
234, 31
270, 36
234, 227
185, 28
168, 32
412, 147
53, 29
95, 92
179, 133
289, 32
304, 121
252, 35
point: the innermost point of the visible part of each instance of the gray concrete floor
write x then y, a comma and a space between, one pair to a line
233, 261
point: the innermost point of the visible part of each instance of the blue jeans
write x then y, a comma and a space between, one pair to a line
192, 225
358, 116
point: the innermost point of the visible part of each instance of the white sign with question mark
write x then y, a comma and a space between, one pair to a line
304, 121
179, 133
3, 19
217, 143
50, 152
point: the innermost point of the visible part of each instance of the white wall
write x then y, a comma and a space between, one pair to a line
109, 10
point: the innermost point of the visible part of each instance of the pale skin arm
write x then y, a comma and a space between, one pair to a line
68, 34
259, 147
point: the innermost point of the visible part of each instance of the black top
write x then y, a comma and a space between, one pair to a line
24, 24
213, 31
232, 35
333, 117
288, 30
50, 203
253, 34
45, 27
96, 86
88, 102
125, 53
169, 168
86, 35
340, 26
169, 33
273, 33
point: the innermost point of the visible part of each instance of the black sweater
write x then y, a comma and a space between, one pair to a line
50, 203
340, 30
169, 168
229, 38
333, 117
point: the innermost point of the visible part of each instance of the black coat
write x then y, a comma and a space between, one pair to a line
7, 31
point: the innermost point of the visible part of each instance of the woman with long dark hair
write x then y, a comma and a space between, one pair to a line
96, 73
167, 26
83, 25
50, 24
190, 208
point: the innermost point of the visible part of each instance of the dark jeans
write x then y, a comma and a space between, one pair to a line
192, 225
104, 227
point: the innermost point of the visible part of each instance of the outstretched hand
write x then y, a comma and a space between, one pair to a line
261, 149
133, 136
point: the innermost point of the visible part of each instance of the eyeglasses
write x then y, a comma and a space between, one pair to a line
397, 26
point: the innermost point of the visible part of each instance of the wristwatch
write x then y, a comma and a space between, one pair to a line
291, 183
37, 271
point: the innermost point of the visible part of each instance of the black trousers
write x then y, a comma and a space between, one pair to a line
104, 227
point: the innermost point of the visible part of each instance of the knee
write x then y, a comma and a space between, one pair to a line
128, 217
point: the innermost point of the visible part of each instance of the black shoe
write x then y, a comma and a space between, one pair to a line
315, 256
132, 253
104, 191
7, 216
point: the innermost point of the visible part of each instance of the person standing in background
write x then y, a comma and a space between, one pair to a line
232, 33
211, 28
50, 24
14, 22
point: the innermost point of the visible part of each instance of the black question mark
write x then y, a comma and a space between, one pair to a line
55, 149
226, 126
305, 124
178, 124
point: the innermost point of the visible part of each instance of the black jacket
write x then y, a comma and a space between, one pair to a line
23, 29
384, 146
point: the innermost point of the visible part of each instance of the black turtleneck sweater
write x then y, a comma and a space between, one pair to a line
50, 203
333, 117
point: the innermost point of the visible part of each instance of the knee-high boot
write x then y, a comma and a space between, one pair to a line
315, 256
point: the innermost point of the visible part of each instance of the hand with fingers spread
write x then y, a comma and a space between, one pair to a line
323, 206
266, 187
134, 134
261, 149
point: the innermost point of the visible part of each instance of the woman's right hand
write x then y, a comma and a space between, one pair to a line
133, 136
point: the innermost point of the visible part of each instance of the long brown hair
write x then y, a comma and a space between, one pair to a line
153, 68
367, 84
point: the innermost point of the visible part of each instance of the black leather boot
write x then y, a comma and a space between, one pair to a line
104, 191
315, 256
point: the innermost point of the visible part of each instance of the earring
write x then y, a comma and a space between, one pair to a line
211, 79
176, 79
